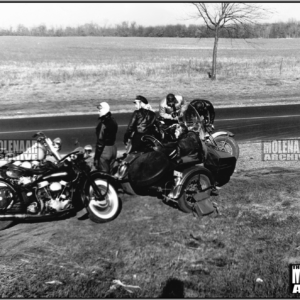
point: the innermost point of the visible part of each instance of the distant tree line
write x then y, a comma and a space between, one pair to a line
290, 29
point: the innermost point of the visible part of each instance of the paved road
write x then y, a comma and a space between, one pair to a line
247, 123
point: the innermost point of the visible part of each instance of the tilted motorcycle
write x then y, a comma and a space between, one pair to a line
221, 139
56, 189
186, 183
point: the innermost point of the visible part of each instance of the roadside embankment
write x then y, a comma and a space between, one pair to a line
251, 159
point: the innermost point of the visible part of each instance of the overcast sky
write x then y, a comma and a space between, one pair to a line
72, 14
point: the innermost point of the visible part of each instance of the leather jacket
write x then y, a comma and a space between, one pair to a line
142, 121
187, 145
166, 111
106, 132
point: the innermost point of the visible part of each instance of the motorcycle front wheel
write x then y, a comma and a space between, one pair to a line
7, 193
228, 144
186, 201
102, 211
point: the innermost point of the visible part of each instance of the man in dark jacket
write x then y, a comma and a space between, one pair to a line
106, 131
141, 123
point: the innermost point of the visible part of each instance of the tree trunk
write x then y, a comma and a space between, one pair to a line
214, 61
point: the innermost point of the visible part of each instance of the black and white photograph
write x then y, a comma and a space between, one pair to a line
149, 150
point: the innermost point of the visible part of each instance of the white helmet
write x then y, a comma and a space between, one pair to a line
88, 148
103, 108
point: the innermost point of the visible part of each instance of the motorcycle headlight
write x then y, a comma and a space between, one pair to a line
122, 169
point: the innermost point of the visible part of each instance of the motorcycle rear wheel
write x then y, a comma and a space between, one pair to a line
228, 144
105, 210
186, 201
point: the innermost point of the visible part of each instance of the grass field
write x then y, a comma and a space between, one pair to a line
70, 74
242, 253
161, 251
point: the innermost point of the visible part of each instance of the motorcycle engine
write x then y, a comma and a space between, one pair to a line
54, 196
24, 180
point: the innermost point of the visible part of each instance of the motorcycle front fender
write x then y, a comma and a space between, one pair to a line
219, 133
190, 172
106, 178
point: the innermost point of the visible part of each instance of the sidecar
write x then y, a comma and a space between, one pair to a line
220, 163
139, 171
187, 183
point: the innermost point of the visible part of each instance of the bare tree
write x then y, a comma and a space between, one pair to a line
228, 16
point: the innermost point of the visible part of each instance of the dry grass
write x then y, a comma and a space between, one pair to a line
237, 67
156, 247
163, 251
39, 74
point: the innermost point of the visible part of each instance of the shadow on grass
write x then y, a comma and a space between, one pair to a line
174, 288
83, 217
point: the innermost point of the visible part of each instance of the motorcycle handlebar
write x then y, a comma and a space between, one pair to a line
69, 154
41, 137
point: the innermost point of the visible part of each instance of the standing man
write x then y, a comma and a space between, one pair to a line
141, 123
106, 131
170, 108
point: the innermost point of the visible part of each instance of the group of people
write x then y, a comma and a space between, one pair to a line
144, 121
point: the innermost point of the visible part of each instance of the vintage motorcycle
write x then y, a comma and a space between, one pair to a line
221, 139
56, 189
186, 183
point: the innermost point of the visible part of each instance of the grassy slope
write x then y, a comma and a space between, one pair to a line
151, 245
163, 251
82, 98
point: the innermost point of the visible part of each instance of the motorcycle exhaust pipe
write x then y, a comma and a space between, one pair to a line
14, 216
32, 216
18, 216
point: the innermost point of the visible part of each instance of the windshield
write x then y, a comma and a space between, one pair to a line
193, 120
191, 117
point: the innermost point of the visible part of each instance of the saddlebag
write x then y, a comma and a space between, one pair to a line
221, 164
148, 168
